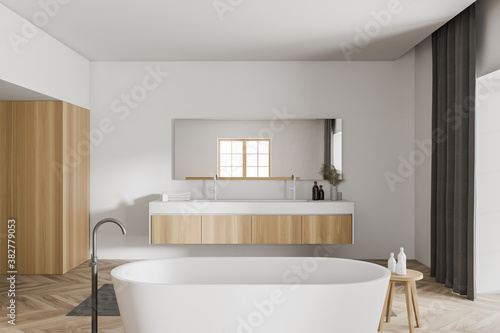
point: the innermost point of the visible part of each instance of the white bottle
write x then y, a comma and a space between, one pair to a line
401, 265
391, 263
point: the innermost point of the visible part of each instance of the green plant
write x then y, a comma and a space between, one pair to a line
330, 173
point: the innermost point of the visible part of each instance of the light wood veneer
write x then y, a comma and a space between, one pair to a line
45, 185
327, 229
76, 187
176, 229
277, 229
226, 229
247, 229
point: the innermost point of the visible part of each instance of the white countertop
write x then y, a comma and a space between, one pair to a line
251, 207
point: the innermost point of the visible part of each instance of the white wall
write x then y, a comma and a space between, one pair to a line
296, 145
488, 26
32, 59
132, 150
423, 134
487, 143
488, 184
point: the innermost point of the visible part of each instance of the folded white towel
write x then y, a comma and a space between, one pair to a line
178, 199
176, 196
185, 194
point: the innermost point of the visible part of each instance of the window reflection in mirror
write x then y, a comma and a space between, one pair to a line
256, 149
244, 158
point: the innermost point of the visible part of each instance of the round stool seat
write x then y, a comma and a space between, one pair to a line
411, 275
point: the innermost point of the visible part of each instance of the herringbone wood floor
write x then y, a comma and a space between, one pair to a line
44, 300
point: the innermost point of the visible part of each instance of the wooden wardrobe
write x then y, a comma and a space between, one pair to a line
44, 174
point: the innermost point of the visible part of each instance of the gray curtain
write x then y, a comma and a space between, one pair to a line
453, 113
329, 129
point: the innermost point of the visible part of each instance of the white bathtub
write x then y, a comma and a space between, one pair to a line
246, 295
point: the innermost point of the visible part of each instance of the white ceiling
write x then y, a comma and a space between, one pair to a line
251, 29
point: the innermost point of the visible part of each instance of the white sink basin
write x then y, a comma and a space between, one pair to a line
252, 200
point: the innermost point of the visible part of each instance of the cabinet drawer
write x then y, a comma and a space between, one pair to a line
323, 229
176, 229
276, 229
226, 229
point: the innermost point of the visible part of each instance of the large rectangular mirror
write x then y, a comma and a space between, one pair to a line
255, 149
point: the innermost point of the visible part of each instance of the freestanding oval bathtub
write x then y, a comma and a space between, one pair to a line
246, 295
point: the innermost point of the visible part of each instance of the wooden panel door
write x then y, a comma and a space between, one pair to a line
276, 229
226, 229
5, 179
76, 185
176, 229
327, 229
34, 190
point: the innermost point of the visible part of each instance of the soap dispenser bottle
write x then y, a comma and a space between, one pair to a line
315, 193
401, 265
391, 263
321, 193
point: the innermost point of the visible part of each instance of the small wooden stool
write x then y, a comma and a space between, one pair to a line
411, 297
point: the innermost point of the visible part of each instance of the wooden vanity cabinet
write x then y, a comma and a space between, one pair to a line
327, 229
276, 229
226, 229
251, 229
176, 229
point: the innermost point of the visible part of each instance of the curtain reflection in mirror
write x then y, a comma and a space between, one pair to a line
333, 143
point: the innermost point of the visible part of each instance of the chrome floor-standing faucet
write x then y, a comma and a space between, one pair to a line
93, 264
